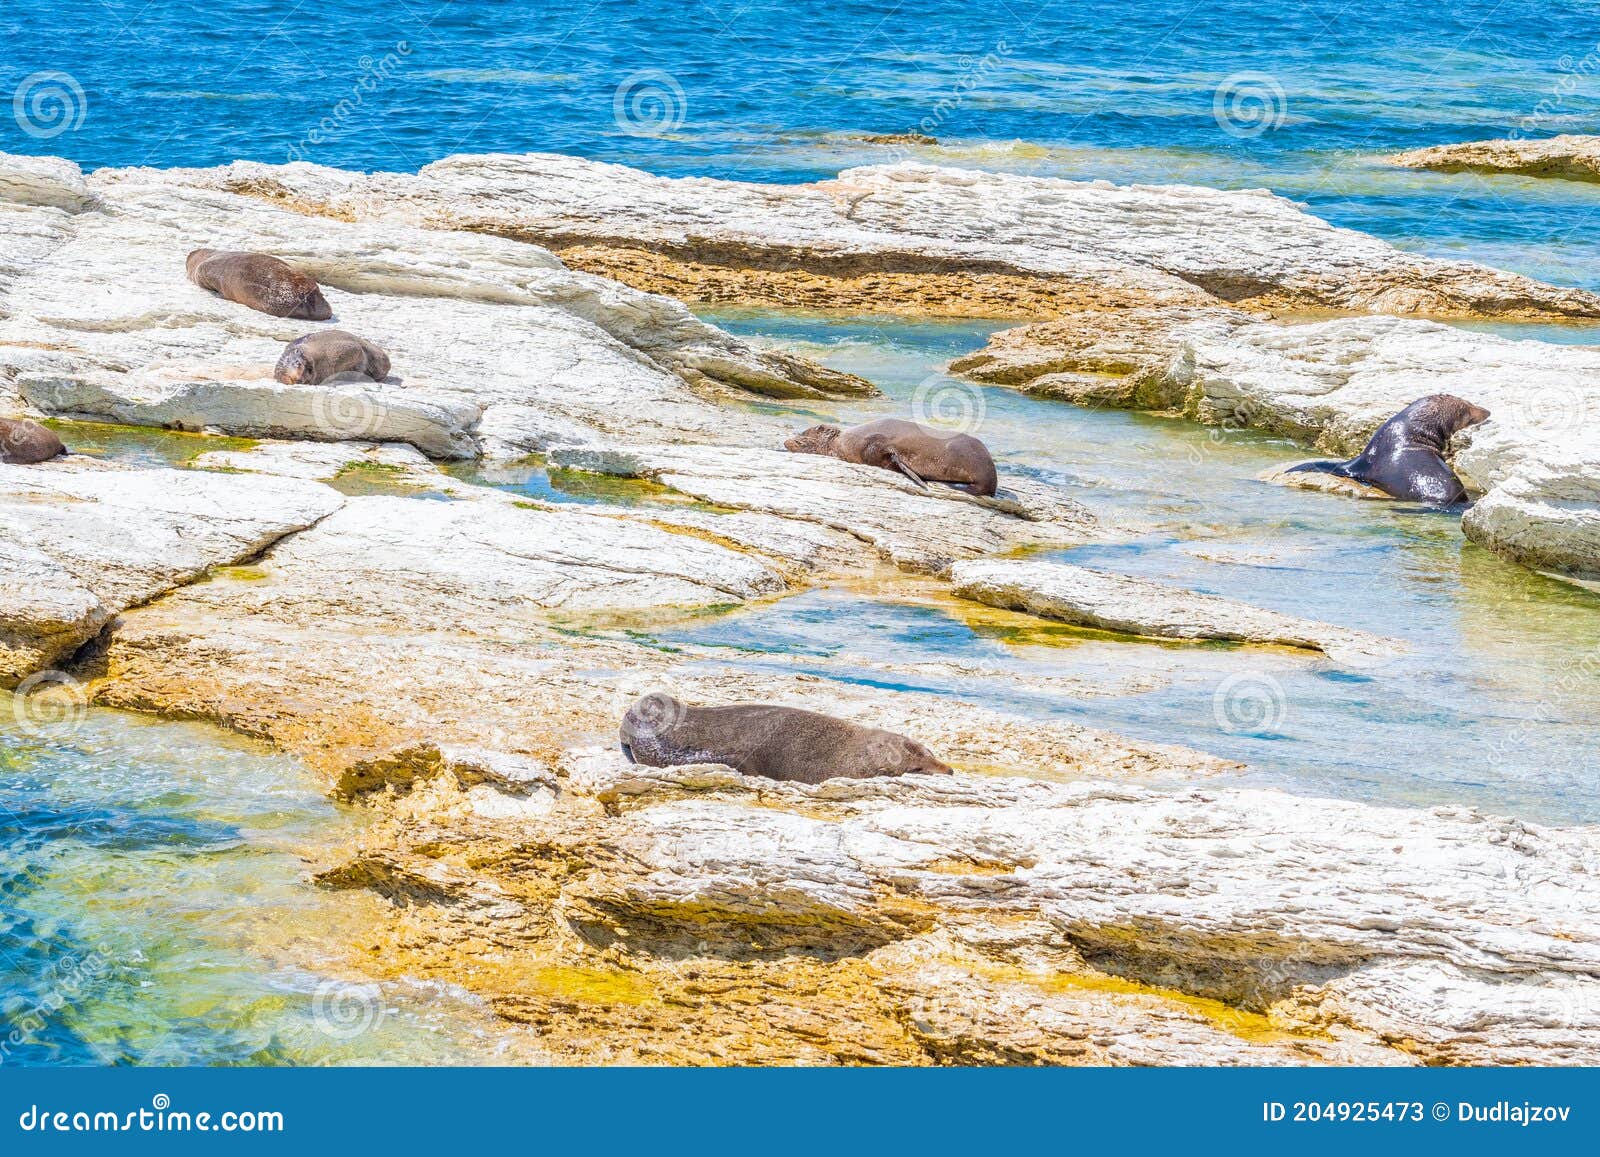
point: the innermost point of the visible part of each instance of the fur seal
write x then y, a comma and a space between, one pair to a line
23, 442
921, 454
1405, 458
259, 281
316, 357
777, 742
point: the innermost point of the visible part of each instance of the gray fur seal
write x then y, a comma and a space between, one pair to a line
777, 742
921, 454
259, 281
316, 357
23, 442
1405, 458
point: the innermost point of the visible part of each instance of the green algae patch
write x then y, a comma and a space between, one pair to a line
142, 445
379, 479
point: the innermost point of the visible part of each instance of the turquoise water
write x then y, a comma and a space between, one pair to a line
1488, 707
1312, 92
154, 909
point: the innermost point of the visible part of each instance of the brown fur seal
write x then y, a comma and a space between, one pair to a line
1405, 458
259, 281
316, 357
957, 460
23, 442
777, 742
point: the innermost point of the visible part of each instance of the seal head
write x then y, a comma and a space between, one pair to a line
23, 442
316, 357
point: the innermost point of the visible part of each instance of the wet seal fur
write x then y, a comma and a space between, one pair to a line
921, 454
316, 357
1405, 458
23, 442
259, 281
782, 743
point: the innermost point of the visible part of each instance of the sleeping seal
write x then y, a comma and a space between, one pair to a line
921, 454
1405, 458
23, 442
259, 281
777, 742
316, 357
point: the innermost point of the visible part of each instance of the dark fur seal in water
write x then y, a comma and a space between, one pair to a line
1405, 458
316, 357
259, 281
777, 742
921, 454
23, 442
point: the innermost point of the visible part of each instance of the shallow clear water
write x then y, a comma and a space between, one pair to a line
1489, 707
1309, 94
154, 908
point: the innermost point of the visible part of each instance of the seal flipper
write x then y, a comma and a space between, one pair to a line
1342, 469
899, 464
627, 749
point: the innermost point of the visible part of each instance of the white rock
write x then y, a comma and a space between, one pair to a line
81, 541
916, 528
1137, 606
102, 321
1158, 241
1473, 935
432, 558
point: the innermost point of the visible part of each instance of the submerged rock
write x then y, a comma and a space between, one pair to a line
1137, 606
1569, 156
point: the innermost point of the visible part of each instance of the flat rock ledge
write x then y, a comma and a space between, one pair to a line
1569, 157
980, 920
497, 347
81, 541
913, 237
1136, 606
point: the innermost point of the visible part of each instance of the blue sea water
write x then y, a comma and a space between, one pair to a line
1309, 94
